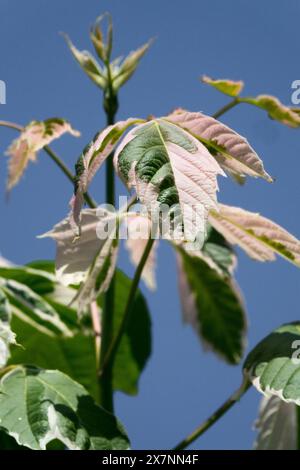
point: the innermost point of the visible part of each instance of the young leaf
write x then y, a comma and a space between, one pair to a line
229, 87
33, 138
213, 306
89, 64
138, 232
169, 167
231, 150
91, 160
7, 337
275, 109
38, 406
277, 425
273, 366
129, 65
261, 238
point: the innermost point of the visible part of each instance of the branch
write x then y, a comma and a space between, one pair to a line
234, 398
226, 108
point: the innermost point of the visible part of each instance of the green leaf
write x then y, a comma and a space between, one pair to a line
275, 109
38, 406
213, 306
24, 299
229, 87
135, 346
219, 251
278, 425
74, 356
7, 337
273, 366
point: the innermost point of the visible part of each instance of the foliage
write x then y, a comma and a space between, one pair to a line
74, 333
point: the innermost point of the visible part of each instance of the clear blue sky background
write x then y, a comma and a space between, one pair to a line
254, 41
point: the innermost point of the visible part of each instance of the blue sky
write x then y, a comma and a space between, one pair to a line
254, 41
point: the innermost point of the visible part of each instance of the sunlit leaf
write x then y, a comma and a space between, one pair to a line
168, 167
275, 109
89, 64
38, 406
33, 138
129, 65
230, 149
91, 160
273, 366
229, 87
261, 238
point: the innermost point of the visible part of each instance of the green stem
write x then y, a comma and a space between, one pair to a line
111, 353
226, 108
54, 157
234, 398
110, 104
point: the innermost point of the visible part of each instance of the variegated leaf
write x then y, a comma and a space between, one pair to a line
229, 87
33, 305
231, 150
212, 305
127, 68
261, 238
7, 337
278, 425
168, 167
89, 64
91, 160
138, 231
275, 109
90, 258
33, 138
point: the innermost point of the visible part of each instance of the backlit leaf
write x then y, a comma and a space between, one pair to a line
275, 109
261, 238
169, 167
229, 87
33, 138
231, 150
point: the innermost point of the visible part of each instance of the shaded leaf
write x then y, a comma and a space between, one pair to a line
135, 347
231, 150
38, 406
261, 238
277, 425
33, 138
213, 306
229, 87
168, 167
